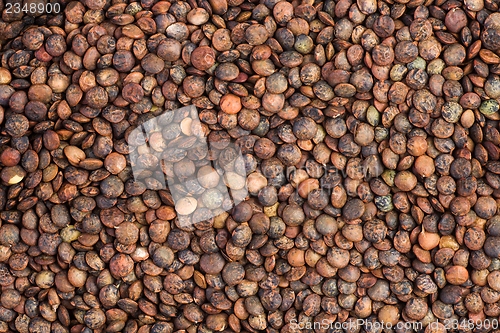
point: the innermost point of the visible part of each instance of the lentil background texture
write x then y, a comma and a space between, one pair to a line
370, 136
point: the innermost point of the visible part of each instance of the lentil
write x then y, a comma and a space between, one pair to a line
369, 135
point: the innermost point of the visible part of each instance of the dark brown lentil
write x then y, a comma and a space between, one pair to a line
370, 133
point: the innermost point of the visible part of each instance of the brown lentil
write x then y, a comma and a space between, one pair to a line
369, 132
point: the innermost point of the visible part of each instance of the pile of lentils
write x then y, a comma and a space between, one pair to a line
370, 132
